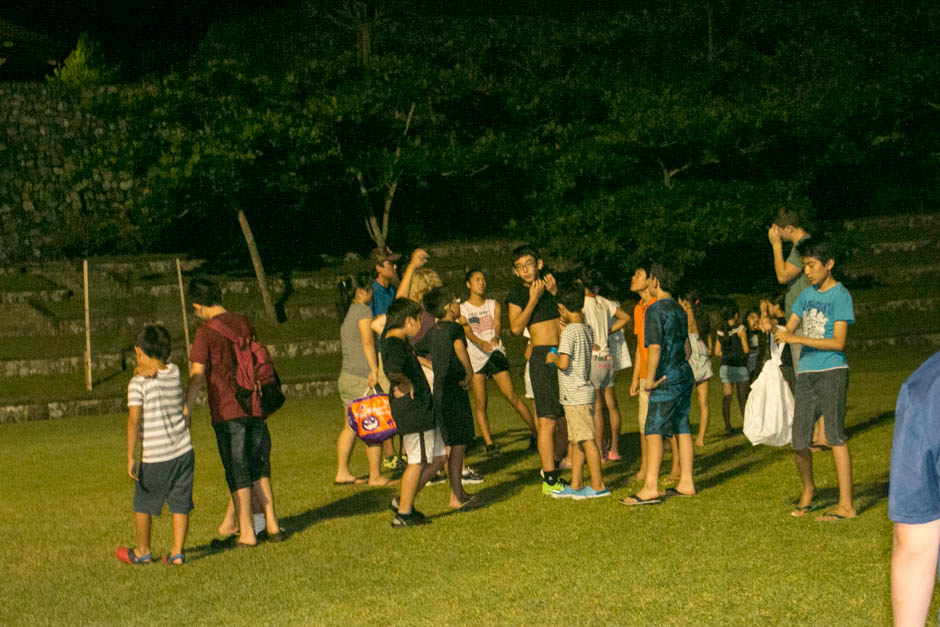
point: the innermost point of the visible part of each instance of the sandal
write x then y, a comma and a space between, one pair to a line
170, 560
128, 556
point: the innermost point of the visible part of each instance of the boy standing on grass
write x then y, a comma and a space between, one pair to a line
447, 344
532, 306
825, 312
244, 441
165, 472
573, 361
640, 285
669, 382
410, 401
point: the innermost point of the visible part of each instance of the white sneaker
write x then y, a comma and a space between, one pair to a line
470, 476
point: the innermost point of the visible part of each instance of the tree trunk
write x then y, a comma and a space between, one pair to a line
259, 269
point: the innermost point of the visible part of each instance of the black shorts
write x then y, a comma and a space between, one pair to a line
494, 365
169, 482
245, 449
544, 384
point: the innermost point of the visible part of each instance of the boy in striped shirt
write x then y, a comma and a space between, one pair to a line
165, 471
576, 393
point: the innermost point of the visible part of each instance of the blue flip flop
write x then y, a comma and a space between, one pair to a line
128, 556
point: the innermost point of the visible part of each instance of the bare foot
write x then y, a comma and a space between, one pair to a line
805, 505
382, 482
700, 443
837, 515
348, 480
225, 530
640, 476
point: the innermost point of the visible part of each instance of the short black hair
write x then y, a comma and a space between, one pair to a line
524, 251
571, 295
788, 217
817, 247
470, 273
400, 310
204, 291
154, 341
436, 301
667, 276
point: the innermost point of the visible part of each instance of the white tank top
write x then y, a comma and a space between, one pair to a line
482, 321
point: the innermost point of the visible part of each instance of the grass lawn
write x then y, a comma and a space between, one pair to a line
732, 555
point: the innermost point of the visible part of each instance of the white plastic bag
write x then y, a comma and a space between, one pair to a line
768, 415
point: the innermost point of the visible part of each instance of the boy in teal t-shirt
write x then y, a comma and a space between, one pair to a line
825, 311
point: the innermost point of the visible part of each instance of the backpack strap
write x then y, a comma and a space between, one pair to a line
219, 327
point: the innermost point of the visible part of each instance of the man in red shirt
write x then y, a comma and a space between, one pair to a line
244, 441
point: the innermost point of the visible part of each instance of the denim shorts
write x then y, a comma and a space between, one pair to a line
734, 374
245, 449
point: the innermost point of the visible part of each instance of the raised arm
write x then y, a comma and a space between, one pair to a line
784, 270
418, 258
519, 317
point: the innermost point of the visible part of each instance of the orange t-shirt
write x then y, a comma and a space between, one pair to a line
639, 321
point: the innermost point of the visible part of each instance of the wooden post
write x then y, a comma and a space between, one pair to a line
179, 279
87, 329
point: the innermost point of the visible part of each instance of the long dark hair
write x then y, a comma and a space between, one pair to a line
702, 321
346, 290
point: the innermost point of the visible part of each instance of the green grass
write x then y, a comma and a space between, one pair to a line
732, 555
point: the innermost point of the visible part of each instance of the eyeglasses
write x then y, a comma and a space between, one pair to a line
524, 265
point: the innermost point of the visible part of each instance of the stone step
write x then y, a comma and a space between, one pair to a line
126, 360
891, 306
898, 341
55, 410
919, 223
40, 325
886, 275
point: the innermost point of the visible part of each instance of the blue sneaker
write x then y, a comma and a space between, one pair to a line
587, 492
566, 493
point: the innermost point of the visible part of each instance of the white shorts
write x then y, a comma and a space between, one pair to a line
433, 446
602, 371
528, 382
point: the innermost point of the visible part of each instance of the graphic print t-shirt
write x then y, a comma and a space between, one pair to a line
819, 312
482, 321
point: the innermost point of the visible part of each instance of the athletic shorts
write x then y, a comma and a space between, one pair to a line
602, 371
734, 374
580, 419
245, 449
169, 482
494, 365
668, 418
544, 384
819, 394
351, 387
423, 447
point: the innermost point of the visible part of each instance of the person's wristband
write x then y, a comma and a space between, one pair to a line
553, 349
